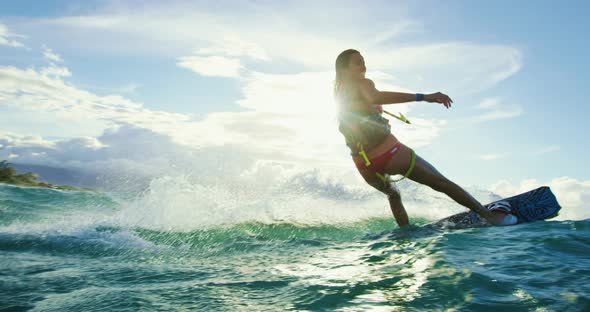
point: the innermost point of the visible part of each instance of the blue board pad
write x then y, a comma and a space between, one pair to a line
538, 204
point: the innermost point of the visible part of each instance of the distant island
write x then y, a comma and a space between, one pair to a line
8, 176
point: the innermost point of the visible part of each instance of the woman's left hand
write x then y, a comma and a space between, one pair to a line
439, 98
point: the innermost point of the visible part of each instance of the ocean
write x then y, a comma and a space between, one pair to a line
159, 251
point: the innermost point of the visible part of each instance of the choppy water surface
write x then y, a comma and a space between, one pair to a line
68, 251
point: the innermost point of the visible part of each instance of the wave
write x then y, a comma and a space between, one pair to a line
182, 204
179, 204
379, 233
108, 240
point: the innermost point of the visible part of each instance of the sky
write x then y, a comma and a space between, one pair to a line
241, 87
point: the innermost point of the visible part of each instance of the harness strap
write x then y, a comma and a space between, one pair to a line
363, 154
385, 179
412, 165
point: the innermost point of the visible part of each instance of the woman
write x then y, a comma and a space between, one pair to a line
377, 153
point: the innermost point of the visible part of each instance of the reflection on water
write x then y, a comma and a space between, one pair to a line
330, 267
374, 274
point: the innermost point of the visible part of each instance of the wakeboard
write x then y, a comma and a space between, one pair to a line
535, 205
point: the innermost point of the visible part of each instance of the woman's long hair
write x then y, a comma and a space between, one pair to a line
342, 62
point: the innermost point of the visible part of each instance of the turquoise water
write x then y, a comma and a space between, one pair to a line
70, 251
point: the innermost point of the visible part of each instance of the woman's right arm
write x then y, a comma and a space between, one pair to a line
377, 97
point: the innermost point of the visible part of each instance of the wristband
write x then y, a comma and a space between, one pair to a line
419, 97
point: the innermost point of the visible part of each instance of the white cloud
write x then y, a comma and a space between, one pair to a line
291, 35
494, 109
489, 103
211, 65
139, 152
130, 87
56, 71
10, 140
51, 56
513, 112
35, 93
401, 27
482, 65
571, 193
235, 47
115, 143
222, 58
289, 119
288, 114
5, 34
492, 156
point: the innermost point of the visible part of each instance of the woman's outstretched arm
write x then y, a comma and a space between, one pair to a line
377, 97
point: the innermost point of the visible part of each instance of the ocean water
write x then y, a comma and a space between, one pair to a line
163, 250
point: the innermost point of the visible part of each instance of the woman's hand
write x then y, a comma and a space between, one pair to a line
438, 98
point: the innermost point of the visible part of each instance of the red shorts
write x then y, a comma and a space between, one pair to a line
378, 163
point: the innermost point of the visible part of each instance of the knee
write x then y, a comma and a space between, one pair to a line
387, 189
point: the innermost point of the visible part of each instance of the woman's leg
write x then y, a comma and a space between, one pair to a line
426, 174
393, 195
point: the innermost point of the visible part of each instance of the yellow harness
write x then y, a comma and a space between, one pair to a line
385, 178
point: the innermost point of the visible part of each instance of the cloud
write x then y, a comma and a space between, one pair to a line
129, 152
222, 58
55, 71
294, 38
131, 87
289, 117
117, 144
286, 114
5, 34
35, 93
294, 115
10, 140
51, 56
499, 114
37, 150
571, 193
482, 65
494, 109
489, 103
492, 156
398, 29
211, 65
233, 46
